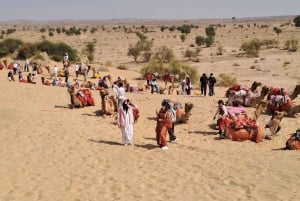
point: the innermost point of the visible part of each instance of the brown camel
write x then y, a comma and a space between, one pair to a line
75, 102
108, 103
183, 116
259, 109
87, 84
275, 124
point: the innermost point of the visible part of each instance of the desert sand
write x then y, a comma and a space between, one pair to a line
50, 152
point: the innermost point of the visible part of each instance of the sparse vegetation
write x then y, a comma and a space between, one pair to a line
291, 45
252, 48
297, 21
226, 80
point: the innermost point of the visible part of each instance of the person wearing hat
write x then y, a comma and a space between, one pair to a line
163, 123
211, 84
125, 121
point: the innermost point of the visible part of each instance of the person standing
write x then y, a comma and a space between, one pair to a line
203, 84
211, 84
163, 123
222, 114
125, 121
55, 71
188, 86
76, 69
120, 90
154, 84
171, 131
26, 65
67, 73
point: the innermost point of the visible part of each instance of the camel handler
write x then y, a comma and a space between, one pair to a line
222, 114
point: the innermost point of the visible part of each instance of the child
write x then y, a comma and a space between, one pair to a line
222, 113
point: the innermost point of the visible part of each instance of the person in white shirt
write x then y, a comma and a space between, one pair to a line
120, 93
55, 71
76, 69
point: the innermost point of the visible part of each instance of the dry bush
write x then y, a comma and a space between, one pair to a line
226, 80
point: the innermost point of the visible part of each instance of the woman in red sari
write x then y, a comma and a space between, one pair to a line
163, 122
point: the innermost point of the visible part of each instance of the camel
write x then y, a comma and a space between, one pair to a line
247, 98
88, 84
182, 114
168, 77
108, 103
75, 102
293, 143
275, 124
240, 127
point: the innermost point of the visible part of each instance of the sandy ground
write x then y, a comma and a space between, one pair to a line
50, 152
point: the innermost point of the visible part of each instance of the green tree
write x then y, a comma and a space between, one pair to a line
209, 41
183, 37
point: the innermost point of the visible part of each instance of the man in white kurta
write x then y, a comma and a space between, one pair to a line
125, 122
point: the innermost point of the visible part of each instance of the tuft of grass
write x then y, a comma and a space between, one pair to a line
122, 67
227, 80
286, 63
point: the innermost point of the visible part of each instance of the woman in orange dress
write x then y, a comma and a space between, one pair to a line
163, 123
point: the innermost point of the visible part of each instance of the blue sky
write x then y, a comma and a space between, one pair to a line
43, 10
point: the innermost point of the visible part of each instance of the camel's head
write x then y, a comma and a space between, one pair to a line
188, 108
265, 90
255, 85
279, 115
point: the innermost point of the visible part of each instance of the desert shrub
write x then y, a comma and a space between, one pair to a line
164, 54
58, 30
93, 30
89, 50
291, 45
252, 48
209, 41
122, 67
270, 43
10, 31
277, 30
51, 34
297, 21
180, 70
143, 46
182, 37
108, 63
286, 63
210, 31
9, 46
200, 40
27, 50
226, 80
56, 51
43, 30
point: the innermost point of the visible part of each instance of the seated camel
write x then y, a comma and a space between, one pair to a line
109, 103
75, 102
182, 113
246, 97
239, 126
293, 143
